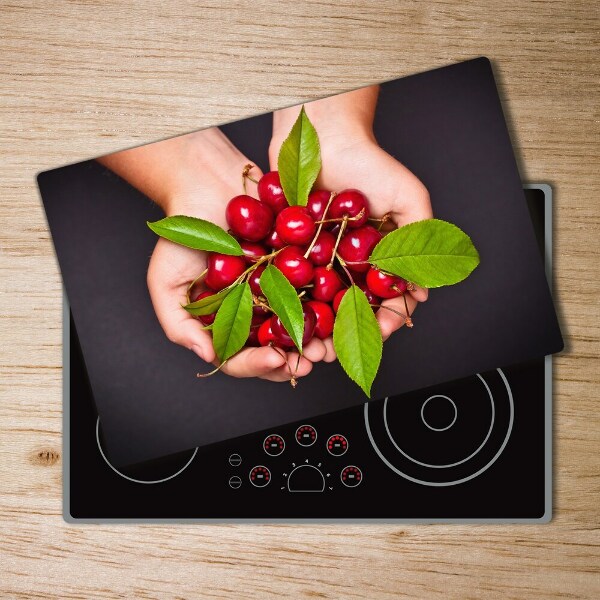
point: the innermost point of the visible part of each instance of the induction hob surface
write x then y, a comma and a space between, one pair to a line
475, 449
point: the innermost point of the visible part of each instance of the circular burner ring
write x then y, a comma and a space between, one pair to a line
454, 464
142, 481
463, 479
431, 426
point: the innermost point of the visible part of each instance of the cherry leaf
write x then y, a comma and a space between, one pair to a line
431, 253
232, 323
207, 305
283, 300
299, 161
357, 338
197, 234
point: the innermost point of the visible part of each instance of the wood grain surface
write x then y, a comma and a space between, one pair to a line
83, 78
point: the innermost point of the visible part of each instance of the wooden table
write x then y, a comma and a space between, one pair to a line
82, 79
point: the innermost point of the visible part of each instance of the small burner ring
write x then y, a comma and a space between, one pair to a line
439, 428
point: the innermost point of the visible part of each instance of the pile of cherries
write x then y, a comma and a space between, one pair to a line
321, 248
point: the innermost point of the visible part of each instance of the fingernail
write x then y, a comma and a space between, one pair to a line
198, 351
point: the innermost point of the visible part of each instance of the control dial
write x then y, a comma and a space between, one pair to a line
306, 435
274, 445
260, 476
337, 445
351, 476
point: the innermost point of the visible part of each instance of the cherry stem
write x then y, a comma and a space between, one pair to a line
293, 380
258, 302
320, 227
343, 265
407, 320
245, 175
194, 282
360, 215
337, 242
204, 375
259, 261
381, 221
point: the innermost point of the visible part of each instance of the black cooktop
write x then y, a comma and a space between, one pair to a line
475, 449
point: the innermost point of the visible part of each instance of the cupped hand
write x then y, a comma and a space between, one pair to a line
206, 185
357, 161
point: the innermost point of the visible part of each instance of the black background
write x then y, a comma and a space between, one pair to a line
447, 127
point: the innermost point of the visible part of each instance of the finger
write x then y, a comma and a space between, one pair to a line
254, 362
390, 321
286, 371
315, 350
304, 366
420, 294
180, 327
330, 356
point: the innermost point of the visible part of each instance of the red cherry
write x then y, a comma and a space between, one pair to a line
254, 280
291, 262
257, 321
283, 339
327, 283
356, 247
248, 218
322, 251
368, 293
384, 285
349, 203
265, 333
206, 319
274, 241
295, 225
317, 202
223, 270
271, 193
325, 318
252, 250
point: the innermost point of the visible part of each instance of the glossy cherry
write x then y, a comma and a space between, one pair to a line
271, 193
223, 270
327, 283
325, 318
291, 262
356, 247
265, 333
350, 203
322, 250
248, 218
294, 225
254, 280
274, 241
384, 285
317, 203
252, 250
206, 319
283, 339
373, 300
257, 321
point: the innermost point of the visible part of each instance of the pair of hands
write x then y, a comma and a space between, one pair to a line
199, 173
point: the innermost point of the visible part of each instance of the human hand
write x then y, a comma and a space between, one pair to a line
351, 158
196, 175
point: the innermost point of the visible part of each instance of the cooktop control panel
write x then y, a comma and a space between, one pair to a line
308, 462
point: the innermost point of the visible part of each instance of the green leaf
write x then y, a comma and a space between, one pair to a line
197, 234
357, 338
299, 161
232, 323
430, 253
207, 305
283, 300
